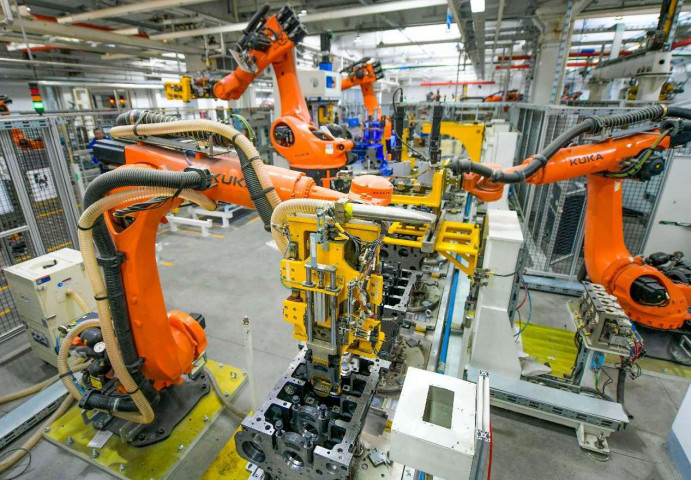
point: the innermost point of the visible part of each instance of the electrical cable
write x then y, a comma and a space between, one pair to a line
26, 466
530, 311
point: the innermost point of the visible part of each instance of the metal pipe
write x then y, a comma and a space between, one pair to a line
334, 319
128, 9
393, 214
334, 14
250, 361
308, 294
83, 66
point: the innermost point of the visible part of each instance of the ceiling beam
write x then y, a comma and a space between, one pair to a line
44, 27
335, 14
62, 8
128, 9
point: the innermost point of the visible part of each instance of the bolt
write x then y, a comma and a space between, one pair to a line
70, 441
46, 430
322, 411
244, 373
94, 453
233, 375
295, 400
226, 394
122, 467
206, 418
246, 320
220, 365
181, 447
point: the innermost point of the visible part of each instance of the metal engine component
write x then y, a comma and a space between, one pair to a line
602, 322
299, 434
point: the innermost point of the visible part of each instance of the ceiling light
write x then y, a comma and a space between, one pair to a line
477, 6
302, 13
357, 38
619, 17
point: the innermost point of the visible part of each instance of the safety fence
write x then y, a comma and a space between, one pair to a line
38, 213
553, 215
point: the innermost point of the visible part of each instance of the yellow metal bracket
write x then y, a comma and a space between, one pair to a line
459, 243
456, 241
432, 199
469, 134
181, 90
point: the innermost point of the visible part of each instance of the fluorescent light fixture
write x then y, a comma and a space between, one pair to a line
302, 13
357, 38
477, 6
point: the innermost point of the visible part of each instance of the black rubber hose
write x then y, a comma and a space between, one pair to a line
680, 112
621, 387
110, 262
108, 403
589, 125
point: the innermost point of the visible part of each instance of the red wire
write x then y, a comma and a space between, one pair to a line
491, 444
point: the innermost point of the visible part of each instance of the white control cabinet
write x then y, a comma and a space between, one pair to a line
39, 288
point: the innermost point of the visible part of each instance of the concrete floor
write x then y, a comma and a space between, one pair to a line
227, 278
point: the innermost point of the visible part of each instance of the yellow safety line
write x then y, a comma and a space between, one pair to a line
48, 214
57, 247
5, 287
253, 220
167, 264
5, 312
44, 202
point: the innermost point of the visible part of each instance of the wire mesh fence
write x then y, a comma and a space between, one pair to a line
37, 211
553, 214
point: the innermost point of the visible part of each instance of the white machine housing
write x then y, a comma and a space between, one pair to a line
320, 84
39, 288
441, 426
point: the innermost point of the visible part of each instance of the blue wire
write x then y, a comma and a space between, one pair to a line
449, 319
530, 308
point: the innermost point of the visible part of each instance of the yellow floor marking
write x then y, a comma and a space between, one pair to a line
551, 345
5, 287
557, 347
253, 220
48, 214
58, 247
5, 312
167, 264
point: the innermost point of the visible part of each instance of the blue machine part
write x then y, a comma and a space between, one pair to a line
353, 121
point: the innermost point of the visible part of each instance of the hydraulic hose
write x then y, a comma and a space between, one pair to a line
621, 388
261, 189
78, 300
221, 396
36, 436
291, 207
589, 125
39, 386
136, 383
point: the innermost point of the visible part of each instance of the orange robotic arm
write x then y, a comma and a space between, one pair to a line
364, 73
170, 342
646, 294
272, 41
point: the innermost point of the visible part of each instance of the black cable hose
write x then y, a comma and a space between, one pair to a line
621, 387
589, 125
108, 403
98, 189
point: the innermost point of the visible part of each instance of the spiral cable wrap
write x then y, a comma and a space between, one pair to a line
137, 117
